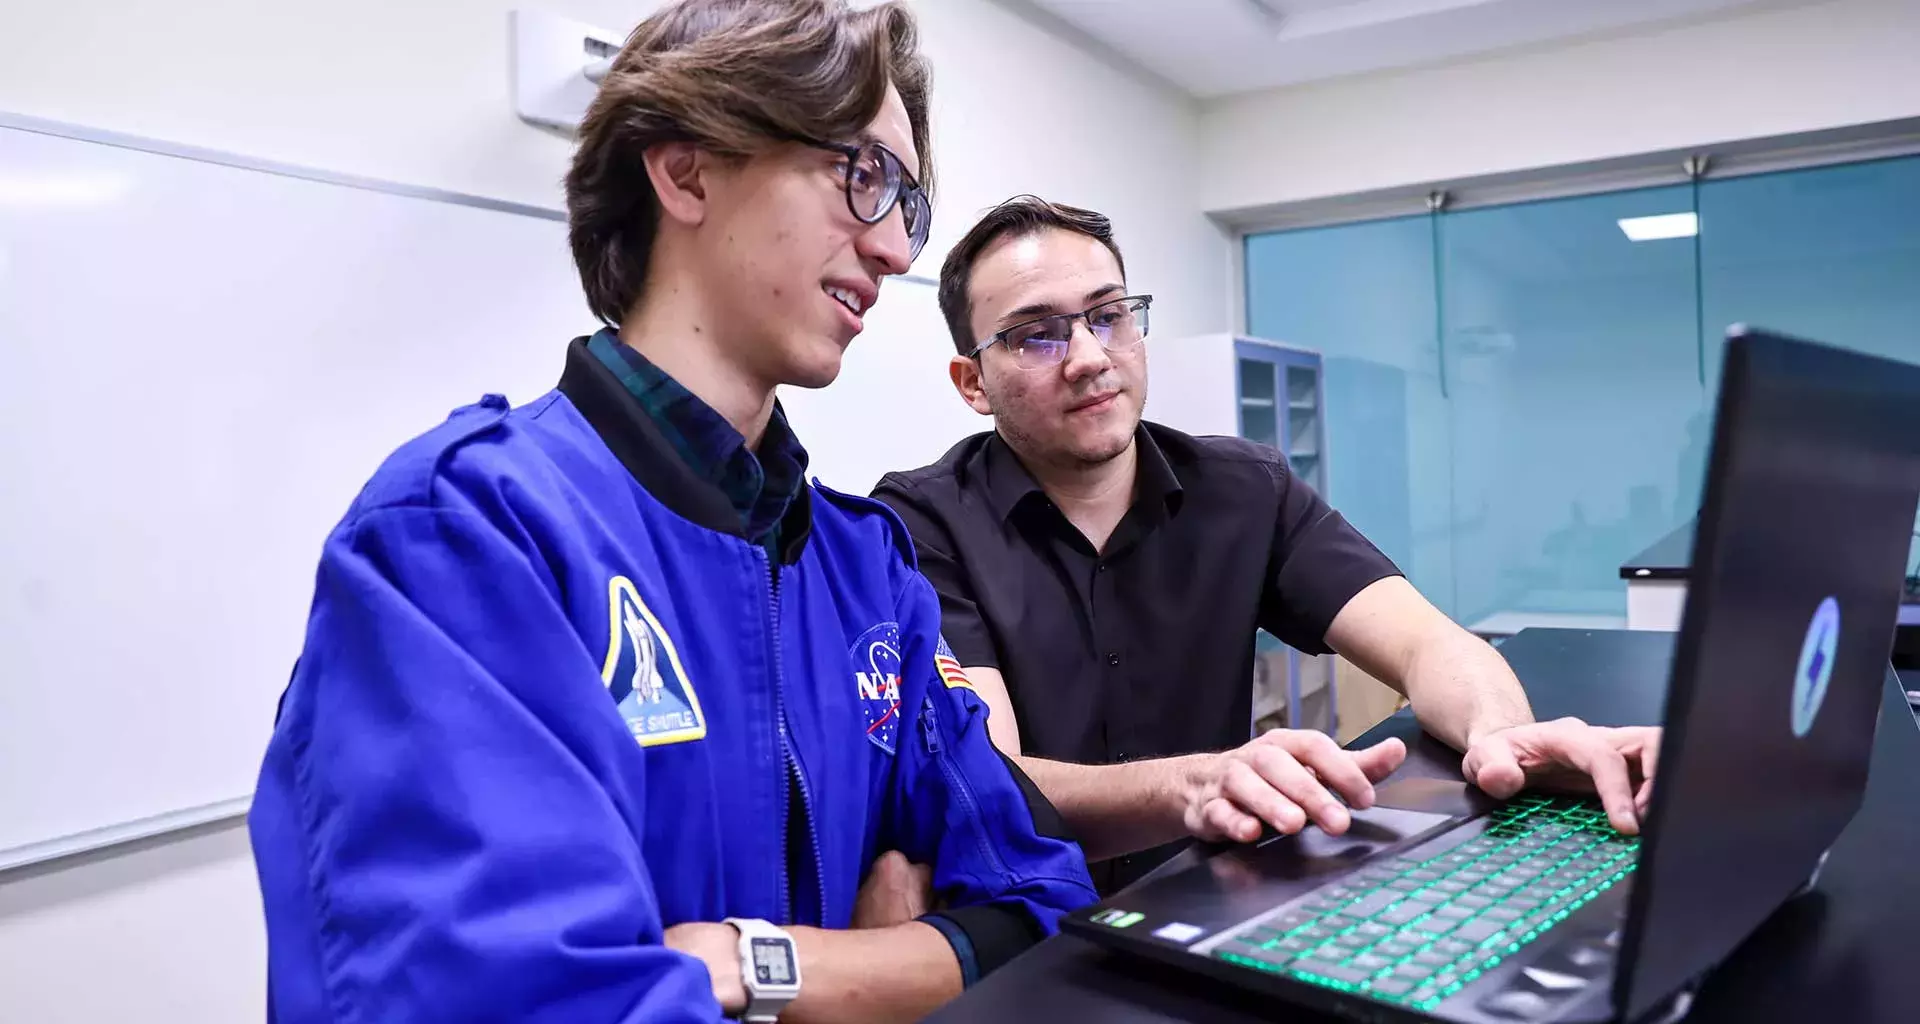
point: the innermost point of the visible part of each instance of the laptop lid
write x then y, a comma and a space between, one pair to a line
1792, 597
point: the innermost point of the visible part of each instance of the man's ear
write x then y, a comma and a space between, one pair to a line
966, 380
678, 172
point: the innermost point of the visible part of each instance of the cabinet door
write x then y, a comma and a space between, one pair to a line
1259, 399
1305, 441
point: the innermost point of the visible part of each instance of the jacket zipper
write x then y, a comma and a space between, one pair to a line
796, 780
957, 784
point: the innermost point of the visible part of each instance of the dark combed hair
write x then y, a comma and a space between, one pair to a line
735, 77
1017, 217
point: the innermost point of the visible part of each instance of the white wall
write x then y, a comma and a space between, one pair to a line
1777, 72
418, 93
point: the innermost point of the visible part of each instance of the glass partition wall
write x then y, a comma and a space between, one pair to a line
1520, 394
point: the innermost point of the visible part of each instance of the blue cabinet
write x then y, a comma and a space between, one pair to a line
1280, 401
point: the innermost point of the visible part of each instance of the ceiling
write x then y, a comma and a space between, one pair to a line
1217, 47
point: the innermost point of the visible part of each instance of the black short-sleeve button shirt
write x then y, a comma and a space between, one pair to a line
1144, 649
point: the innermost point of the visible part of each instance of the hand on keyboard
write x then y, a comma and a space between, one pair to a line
1568, 754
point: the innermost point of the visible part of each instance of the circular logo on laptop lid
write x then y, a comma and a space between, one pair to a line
1816, 665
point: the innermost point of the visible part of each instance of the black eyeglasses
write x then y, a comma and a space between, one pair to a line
876, 179
1118, 324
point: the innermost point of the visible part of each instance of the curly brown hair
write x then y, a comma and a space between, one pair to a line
736, 77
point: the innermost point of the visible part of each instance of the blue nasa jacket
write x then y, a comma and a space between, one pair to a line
551, 703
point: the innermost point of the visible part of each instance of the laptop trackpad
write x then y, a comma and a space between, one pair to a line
1313, 852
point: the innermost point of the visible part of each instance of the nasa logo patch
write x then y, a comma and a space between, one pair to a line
876, 672
644, 675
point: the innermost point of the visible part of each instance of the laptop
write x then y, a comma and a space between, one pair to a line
1442, 904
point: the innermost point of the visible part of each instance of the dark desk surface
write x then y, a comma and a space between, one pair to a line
1845, 954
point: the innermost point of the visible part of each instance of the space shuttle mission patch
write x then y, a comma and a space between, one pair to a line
644, 675
876, 673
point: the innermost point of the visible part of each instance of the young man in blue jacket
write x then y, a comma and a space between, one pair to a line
603, 713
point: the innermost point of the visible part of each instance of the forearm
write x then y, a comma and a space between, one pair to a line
1116, 809
1461, 688
902, 973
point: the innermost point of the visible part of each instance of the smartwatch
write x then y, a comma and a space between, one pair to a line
769, 967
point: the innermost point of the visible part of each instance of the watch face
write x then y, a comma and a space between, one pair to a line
773, 961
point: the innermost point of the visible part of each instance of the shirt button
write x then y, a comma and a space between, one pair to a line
1100, 567
1113, 659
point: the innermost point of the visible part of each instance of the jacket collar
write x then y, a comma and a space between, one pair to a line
633, 438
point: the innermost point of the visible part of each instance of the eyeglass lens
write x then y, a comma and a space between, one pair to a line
875, 181
1117, 325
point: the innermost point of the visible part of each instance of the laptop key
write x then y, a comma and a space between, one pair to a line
1502, 913
1369, 963
1452, 948
1395, 949
1474, 901
1392, 987
1422, 994
1479, 931
1430, 958
1371, 904
1329, 971
1374, 930
1406, 911
1456, 912
1449, 887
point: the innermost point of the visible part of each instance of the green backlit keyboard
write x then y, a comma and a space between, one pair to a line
1414, 931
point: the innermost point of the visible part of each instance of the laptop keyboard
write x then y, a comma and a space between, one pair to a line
1413, 932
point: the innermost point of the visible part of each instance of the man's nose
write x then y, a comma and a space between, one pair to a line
886, 245
1086, 357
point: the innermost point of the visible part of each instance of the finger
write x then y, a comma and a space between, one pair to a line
891, 866
1492, 765
1254, 794
1607, 768
1649, 761
1381, 760
1221, 821
1650, 754
1317, 752
1286, 777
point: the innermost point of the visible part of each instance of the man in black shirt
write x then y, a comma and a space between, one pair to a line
1101, 579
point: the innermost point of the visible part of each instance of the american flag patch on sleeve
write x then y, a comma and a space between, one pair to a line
949, 667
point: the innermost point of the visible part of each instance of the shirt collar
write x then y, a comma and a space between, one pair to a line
760, 486
1009, 485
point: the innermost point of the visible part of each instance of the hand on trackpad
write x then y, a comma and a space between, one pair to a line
1373, 829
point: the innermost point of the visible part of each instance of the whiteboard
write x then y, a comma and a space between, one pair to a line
200, 364
202, 359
